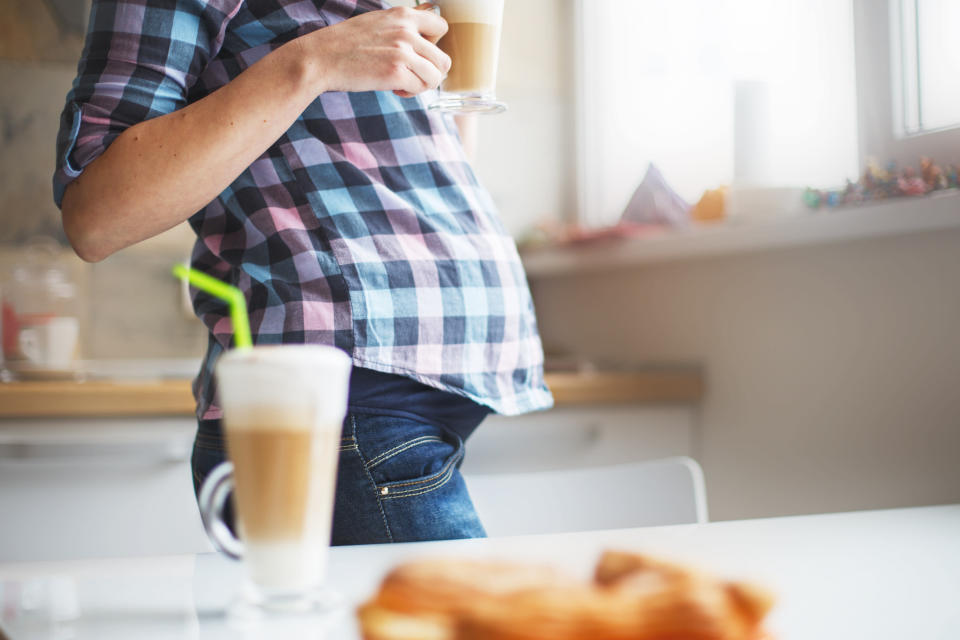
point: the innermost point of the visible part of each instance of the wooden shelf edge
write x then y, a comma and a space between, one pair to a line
174, 397
639, 387
96, 399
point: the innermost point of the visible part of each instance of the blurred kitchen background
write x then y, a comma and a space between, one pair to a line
822, 343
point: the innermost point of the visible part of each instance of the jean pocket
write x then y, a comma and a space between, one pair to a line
203, 461
348, 443
209, 437
411, 459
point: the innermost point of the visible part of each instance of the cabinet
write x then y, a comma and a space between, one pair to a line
572, 437
97, 487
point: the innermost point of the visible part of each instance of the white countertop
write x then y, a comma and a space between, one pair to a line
870, 575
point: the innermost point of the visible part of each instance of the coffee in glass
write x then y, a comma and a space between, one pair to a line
473, 44
283, 413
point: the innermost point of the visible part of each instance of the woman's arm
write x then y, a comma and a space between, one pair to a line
467, 126
159, 172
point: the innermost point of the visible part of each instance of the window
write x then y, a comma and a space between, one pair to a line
906, 90
927, 65
712, 91
759, 92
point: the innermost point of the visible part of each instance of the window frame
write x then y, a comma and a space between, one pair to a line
881, 131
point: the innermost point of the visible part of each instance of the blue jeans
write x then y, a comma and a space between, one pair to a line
398, 480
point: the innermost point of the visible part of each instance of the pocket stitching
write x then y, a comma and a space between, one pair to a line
386, 455
373, 483
213, 448
436, 477
419, 491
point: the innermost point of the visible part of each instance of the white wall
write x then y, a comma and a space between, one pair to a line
525, 156
30, 104
833, 372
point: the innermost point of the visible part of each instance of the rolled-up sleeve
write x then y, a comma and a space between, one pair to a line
140, 59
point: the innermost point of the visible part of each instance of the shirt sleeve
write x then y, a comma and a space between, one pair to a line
139, 61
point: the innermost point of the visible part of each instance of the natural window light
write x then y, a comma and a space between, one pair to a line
712, 91
929, 64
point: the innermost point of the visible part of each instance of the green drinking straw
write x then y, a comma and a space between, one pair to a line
226, 292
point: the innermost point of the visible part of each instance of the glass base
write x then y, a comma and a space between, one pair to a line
316, 605
459, 103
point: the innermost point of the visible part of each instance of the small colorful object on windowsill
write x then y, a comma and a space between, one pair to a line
878, 183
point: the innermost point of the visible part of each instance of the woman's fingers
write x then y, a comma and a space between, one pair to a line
429, 24
382, 50
427, 74
433, 54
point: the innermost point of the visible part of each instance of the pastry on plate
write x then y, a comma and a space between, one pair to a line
631, 597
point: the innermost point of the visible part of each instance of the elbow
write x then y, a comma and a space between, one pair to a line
84, 245
86, 252
81, 230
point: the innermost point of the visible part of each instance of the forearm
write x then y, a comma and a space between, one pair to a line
467, 125
158, 173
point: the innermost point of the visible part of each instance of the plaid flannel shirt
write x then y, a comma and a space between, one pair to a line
363, 226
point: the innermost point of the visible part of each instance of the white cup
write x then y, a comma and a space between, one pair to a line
50, 344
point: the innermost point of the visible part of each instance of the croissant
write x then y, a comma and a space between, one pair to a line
427, 599
632, 596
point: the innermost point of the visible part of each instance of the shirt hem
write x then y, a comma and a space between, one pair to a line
533, 399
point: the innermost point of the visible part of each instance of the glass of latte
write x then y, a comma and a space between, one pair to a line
473, 44
283, 409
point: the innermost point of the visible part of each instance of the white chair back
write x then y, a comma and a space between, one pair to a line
651, 493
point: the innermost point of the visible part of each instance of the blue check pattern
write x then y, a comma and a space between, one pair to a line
362, 227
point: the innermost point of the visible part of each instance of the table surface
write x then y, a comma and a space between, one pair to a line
873, 575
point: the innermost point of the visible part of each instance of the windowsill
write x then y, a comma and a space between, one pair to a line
889, 218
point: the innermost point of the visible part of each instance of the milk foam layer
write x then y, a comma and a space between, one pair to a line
480, 11
305, 379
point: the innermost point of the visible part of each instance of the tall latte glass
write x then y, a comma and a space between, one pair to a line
473, 44
283, 411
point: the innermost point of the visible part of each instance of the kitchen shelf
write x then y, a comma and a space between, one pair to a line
132, 398
939, 211
668, 386
96, 399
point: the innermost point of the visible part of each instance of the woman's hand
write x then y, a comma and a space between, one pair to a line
389, 50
